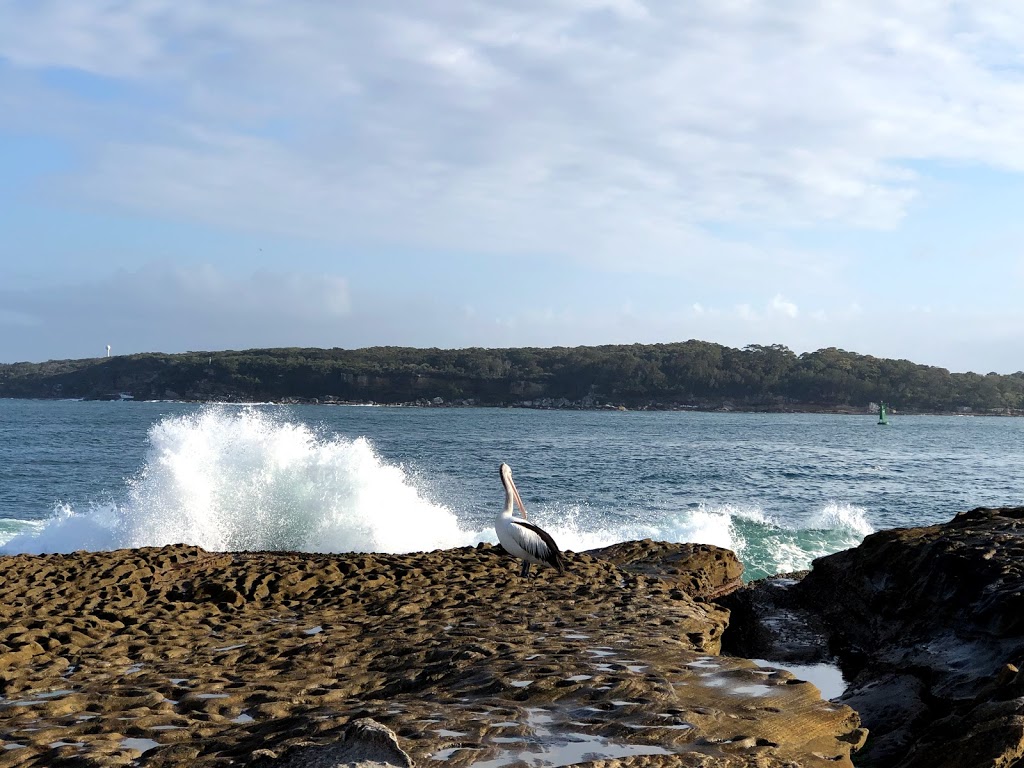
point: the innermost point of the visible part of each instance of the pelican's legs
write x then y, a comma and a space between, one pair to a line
525, 573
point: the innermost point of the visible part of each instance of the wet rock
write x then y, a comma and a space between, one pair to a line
703, 571
769, 621
171, 757
990, 733
928, 624
365, 744
174, 656
897, 703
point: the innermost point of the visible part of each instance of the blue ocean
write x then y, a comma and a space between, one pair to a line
779, 489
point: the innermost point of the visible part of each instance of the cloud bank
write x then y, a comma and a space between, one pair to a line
620, 131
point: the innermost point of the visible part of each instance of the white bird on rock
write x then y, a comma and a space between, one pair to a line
520, 538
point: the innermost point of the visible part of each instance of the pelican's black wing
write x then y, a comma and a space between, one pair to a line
539, 543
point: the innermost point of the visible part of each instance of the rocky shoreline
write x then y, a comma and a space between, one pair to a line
562, 404
928, 626
176, 656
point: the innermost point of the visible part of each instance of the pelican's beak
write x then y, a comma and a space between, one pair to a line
515, 493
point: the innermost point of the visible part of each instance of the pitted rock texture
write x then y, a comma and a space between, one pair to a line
703, 571
176, 656
365, 744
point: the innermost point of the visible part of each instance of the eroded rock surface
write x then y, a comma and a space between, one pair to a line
176, 656
703, 571
365, 744
929, 625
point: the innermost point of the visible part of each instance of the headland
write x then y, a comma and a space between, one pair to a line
691, 375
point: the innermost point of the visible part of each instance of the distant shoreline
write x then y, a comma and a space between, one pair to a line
608, 408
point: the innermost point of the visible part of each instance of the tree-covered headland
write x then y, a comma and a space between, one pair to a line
690, 374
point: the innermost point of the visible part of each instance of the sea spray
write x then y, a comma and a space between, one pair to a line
841, 517
765, 546
579, 528
227, 479
768, 547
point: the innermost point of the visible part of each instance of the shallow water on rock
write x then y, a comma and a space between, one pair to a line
563, 670
828, 678
35, 697
139, 745
549, 747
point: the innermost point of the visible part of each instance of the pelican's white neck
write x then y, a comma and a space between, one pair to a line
511, 494
509, 497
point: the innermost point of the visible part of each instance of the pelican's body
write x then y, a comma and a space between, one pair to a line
520, 538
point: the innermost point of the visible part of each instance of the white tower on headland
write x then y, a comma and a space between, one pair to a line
108, 350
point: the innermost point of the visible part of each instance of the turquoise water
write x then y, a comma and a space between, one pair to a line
780, 489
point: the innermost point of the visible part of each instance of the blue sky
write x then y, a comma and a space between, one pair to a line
180, 175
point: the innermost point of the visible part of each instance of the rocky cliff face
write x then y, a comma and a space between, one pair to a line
928, 624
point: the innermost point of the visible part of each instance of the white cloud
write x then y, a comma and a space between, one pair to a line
779, 305
698, 140
611, 132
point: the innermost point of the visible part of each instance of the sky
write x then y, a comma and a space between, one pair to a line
191, 175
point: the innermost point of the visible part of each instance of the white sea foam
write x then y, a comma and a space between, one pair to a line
767, 547
10, 526
841, 516
763, 544
577, 528
226, 479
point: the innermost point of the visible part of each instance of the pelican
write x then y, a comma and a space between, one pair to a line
520, 538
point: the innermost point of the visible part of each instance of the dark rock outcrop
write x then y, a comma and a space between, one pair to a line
928, 625
768, 620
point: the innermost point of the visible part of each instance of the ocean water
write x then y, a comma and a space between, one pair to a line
779, 489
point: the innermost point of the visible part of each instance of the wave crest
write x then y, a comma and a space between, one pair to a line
247, 480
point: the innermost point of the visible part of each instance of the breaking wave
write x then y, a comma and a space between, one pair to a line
764, 545
247, 480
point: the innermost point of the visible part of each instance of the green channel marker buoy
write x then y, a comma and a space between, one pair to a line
883, 418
